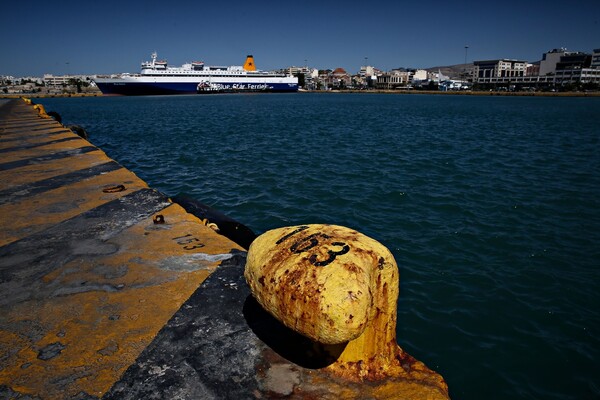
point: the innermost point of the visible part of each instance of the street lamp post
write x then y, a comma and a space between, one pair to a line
466, 74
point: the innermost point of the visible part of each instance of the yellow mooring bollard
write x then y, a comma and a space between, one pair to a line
38, 107
339, 288
41, 111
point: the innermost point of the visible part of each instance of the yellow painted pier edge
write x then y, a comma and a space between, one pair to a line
74, 323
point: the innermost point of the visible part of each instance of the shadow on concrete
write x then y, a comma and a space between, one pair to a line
290, 345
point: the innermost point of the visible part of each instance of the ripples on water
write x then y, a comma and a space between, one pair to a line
489, 204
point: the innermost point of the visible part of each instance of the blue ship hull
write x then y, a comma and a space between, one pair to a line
169, 88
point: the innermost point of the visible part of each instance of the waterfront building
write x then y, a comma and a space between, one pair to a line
576, 67
326, 79
63, 80
571, 66
6, 79
51, 80
504, 69
420, 75
595, 59
393, 79
367, 71
340, 78
576, 60
583, 75
532, 69
550, 59
557, 67
400, 77
298, 71
308, 75
14, 85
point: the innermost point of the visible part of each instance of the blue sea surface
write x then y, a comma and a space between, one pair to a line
490, 206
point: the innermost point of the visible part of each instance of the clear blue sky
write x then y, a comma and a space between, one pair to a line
106, 36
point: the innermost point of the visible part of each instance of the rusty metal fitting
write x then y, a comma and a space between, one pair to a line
114, 189
339, 288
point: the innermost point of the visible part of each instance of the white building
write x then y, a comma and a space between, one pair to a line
298, 70
420, 75
550, 59
490, 71
5, 79
366, 71
596, 59
51, 80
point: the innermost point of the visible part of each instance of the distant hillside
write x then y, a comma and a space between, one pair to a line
453, 71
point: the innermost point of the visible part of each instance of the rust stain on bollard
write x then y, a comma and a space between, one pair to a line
339, 287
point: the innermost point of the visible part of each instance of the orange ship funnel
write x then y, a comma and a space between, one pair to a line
249, 64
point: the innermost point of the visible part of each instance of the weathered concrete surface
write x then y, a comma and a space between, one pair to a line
87, 278
205, 352
98, 301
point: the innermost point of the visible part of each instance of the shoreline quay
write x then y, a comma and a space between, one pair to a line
464, 93
370, 91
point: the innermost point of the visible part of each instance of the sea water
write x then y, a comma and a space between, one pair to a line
490, 206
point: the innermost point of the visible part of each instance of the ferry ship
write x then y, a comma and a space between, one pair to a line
157, 78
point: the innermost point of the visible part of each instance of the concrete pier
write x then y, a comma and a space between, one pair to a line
110, 290
87, 279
